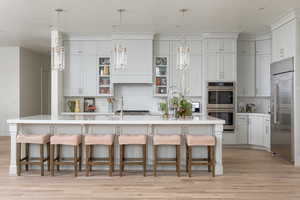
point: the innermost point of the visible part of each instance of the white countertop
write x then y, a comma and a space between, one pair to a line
255, 114
142, 119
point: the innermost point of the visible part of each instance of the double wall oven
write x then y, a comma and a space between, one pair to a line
221, 102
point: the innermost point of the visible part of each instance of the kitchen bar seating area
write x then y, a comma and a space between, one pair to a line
150, 99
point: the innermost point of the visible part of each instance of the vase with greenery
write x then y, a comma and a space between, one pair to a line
181, 107
164, 108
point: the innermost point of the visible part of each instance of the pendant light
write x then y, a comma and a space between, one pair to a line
57, 48
119, 51
183, 51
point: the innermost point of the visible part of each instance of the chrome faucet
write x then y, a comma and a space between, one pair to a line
122, 107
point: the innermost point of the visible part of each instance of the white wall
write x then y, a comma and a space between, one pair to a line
9, 86
31, 64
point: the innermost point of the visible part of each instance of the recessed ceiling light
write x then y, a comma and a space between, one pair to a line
261, 9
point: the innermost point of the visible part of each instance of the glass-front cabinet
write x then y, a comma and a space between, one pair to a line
161, 76
104, 76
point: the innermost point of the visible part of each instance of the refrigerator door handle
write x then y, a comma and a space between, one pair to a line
275, 104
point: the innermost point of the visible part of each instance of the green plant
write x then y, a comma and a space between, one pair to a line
181, 106
164, 108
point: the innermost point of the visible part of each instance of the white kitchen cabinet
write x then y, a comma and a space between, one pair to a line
263, 47
80, 70
253, 129
283, 41
196, 75
245, 47
246, 75
220, 59
220, 45
104, 48
242, 129
263, 76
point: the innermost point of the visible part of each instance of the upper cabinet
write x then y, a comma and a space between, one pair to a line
81, 68
246, 68
220, 59
283, 41
140, 65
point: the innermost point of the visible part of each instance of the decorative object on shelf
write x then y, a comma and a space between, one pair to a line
57, 48
164, 108
77, 106
161, 82
120, 51
89, 104
110, 102
71, 106
183, 51
104, 88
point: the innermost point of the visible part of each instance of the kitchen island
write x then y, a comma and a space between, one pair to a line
112, 124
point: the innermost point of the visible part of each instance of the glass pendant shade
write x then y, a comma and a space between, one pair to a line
120, 57
57, 51
183, 57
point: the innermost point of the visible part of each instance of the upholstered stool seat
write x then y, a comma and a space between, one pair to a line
99, 139
199, 140
125, 140
132, 139
159, 140
27, 139
205, 141
33, 138
66, 139
90, 141
69, 140
166, 140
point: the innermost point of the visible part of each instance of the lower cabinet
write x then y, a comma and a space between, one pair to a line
253, 129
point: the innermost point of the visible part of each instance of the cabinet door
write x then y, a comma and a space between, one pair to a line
228, 45
275, 45
227, 67
251, 130
242, 130
212, 64
104, 47
267, 134
72, 75
196, 75
263, 81
162, 48
263, 47
246, 47
246, 75
89, 75
213, 45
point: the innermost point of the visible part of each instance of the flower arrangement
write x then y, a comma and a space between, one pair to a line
181, 106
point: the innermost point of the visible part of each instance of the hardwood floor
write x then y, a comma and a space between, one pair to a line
249, 174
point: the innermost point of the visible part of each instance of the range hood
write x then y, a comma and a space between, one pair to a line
140, 58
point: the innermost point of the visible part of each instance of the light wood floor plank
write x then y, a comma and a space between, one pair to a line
248, 175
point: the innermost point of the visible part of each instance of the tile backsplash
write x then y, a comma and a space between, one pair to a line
262, 103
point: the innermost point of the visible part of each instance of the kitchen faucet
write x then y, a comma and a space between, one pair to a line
122, 107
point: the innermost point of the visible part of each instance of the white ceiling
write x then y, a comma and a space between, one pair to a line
26, 22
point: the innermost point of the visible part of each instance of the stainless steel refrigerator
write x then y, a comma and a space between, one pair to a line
282, 108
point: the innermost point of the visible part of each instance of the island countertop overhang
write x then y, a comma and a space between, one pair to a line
114, 120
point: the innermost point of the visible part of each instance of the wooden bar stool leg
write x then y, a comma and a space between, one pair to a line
87, 159
19, 145
48, 156
190, 152
113, 157
27, 152
80, 157
145, 159
58, 156
187, 158
213, 161
52, 159
178, 160
75, 160
110, 150
121, 159
209, 158
155, 160
42, 159
91, 157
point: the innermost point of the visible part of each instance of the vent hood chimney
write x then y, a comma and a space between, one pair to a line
140, 56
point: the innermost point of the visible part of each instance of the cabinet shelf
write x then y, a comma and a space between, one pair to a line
104, 77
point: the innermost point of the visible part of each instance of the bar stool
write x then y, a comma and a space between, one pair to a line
173, 140
69, 140
198, 140
90, 142
125, 140
27, 139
